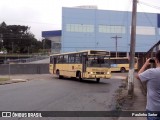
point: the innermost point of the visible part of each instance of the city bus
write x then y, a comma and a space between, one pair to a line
121, 64
87, 64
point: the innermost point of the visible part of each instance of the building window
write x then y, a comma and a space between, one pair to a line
111, 29
79, 28
68, 27
145, 30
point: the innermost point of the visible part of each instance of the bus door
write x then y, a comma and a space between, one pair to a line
84, 65
54, 64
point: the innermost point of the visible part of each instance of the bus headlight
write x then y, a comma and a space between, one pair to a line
108, 73
91, 72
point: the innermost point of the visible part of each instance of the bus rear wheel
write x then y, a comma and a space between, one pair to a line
58, 74
79, 76
123, 70
97, 80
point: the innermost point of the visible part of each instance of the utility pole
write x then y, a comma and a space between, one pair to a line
116, 38
28, 50
1, 40
132, 50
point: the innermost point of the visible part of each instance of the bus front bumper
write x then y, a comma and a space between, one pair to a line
94, 76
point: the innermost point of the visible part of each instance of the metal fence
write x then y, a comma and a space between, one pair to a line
6, 69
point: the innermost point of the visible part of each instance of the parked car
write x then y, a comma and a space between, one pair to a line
3, 52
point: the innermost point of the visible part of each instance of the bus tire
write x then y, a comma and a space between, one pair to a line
123, 70
79, 76
58, 74
97, 80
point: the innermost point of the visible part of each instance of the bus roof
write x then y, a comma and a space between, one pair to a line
121, 57
89, 52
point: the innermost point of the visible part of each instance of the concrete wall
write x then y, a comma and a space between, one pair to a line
24, 69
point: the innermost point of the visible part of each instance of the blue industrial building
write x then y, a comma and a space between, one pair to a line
90, 28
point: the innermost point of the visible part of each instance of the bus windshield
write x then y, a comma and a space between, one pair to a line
98, 61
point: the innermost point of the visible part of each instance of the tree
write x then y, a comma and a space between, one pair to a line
46, 44
18, 39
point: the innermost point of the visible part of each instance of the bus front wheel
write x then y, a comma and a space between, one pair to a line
98, 80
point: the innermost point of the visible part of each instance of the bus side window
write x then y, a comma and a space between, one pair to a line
112, 61
65, 59
71, 58
51, 59
77, 58
59, 59
100, 60
54, 60
86, 58
135, 60
93, 62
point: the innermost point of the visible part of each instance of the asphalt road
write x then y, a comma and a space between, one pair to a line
46, 93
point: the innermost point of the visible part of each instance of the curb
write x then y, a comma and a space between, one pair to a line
13, 81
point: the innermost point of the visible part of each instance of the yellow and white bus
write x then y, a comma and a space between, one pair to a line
87, 64
121, 64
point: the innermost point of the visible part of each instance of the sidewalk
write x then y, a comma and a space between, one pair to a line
23, 78
138, 103
11, 80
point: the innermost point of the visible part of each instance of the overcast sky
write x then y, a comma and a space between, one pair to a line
44, 15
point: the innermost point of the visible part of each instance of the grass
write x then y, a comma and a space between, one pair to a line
3, 79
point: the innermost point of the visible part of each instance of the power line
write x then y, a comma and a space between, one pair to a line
147, 4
